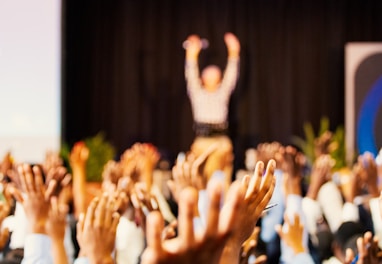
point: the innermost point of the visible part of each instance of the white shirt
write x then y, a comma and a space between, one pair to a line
211, 107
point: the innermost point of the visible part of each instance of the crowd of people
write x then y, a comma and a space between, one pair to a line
280, 210
283, 208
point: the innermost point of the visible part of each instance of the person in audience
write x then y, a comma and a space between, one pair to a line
325, 223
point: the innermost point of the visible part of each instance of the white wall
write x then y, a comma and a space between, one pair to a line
30, 77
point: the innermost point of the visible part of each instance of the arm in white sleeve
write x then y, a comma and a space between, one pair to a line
313, 214
81, 260
330, 200
231, 74
303, 258
350, 212
376, 217
191, 69
37, 249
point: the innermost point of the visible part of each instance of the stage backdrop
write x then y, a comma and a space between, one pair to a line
124, 66
363, 97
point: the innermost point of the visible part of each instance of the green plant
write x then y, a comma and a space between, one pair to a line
100, 152
335, 142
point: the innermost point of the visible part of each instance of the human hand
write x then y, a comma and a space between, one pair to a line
267, 151
79, 156
56, 222
323, 144
34, 196
233, 44
111, 174
368, 173
292, 233
291, 163
52, 160
147, 157
189, 247
190, 172
143, 203
258, 192
193, 47
96, 230
368, 251
320, 174
6, 164
251, 242
60, 176
4, 232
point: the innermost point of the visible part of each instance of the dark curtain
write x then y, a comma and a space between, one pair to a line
123, 66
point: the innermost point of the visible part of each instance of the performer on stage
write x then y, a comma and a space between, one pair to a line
209, 95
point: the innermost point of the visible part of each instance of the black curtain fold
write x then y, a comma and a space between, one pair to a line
124, 66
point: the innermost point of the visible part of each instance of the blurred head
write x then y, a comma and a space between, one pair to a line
346, 237
211, 77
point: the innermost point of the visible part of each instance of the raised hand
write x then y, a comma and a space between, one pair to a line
233, 44
34, 196
292, 234
321, 173
258, 192
111, 174
6, 164
250, 243
193, 47
368, 173
77, 159
96, 230
190, 172
189, 246
4, 233
291, 162
52, 160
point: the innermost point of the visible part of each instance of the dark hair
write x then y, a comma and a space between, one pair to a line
347, 233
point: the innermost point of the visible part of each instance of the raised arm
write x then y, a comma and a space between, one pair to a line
231, 72
191, 68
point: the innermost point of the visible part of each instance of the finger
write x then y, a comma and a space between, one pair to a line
66, 180
54, 205
110, 209
29, 179
50, 189
254, 184
16, 193
115, 220
90, 214
187, 203
21, 174
155, 225
362, 252
80, 223
38, 180
269, 173
100, 211
245, 181
231, 208
214, 190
